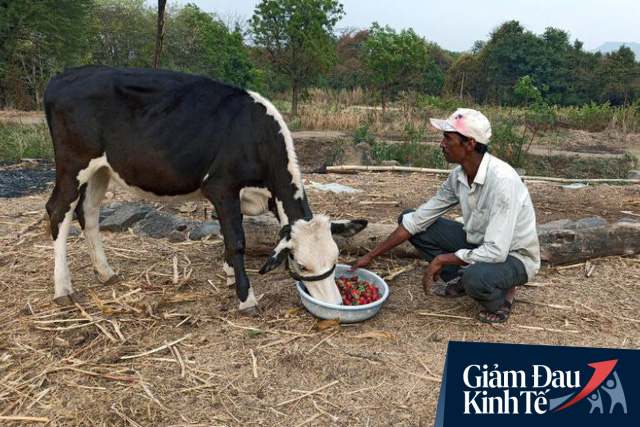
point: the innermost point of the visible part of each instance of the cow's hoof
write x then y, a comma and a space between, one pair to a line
252, 311
66, 300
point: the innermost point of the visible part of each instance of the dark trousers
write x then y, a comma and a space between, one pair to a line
487, 283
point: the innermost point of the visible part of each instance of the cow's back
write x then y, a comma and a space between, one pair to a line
161, 131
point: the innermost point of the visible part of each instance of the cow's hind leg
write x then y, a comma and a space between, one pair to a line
60, 207
227, 206
88, 211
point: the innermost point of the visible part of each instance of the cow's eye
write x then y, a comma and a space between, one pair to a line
302, 267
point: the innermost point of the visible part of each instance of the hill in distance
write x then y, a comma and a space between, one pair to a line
608, 47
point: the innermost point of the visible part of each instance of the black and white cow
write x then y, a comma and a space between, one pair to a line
171, 136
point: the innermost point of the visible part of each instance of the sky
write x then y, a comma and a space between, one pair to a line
456, 25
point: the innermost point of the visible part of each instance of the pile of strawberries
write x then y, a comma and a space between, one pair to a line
356, 292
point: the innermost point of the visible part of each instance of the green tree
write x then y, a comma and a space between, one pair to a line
618, 74
349, 72
396, 60
297, 36
199, 42
123, 33
37, 39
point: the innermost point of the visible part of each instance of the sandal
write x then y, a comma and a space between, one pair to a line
451, 290
502, 314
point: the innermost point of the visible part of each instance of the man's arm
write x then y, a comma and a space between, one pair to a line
397, 237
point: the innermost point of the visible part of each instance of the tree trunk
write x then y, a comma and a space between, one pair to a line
160, 34
294, 97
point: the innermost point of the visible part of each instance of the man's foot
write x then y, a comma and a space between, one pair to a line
451, 290
502, 315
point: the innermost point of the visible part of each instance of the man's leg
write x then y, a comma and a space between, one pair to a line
442, 237
488, 283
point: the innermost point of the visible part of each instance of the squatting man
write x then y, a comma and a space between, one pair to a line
496, 249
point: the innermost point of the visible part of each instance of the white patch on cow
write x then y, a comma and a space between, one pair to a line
231, 275
94, 165
96, 187
284, 219
61, 276
293, 167
254, 200
313, 248
251, 301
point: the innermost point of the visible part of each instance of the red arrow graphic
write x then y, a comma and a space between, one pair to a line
603, 369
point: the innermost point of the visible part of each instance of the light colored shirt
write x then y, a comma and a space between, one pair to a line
497, 212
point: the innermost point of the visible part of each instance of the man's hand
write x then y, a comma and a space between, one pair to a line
432, 273
362, 262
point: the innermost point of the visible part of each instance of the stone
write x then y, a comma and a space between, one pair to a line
124, 217
589, 222
158, 224
105, 213
177, 236
633, 174
205, 229
389, 163
74, 231
560, 223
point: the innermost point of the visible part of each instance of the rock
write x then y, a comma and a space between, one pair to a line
159, 224
360, 154
633, 174
205, 229
124, 217
109, 195
561, 223
74, 231
177, 236
105, 213
589, 222
389, 163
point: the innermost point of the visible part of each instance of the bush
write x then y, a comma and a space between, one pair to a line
362, 134
507, 145
410, 153
19, 141
591, 117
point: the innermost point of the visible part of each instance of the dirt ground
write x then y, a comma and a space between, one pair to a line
150, 351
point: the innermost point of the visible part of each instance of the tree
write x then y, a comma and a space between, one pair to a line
297, 36
123, 33
199, 42
396, 60
349, 72
37, 39
162, 6
618, 74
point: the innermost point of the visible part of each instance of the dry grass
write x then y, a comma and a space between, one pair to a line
158, 349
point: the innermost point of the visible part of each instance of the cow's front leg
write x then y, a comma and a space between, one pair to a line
231, 224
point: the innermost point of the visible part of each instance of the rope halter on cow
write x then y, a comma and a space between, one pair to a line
312, 278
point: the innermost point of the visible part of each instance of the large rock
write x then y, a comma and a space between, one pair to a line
205, 229
159, 224
124, 217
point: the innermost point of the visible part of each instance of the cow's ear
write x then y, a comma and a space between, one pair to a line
279, 254
348, 228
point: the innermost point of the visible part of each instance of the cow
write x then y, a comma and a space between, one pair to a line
175, 136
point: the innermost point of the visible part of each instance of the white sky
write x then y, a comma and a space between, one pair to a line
456, 24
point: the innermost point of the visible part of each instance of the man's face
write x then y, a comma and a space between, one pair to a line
452, 149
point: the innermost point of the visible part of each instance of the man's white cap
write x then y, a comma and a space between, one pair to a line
470, 123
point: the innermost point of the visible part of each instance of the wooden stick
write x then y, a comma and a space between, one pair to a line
447, 171
162, 347
539, 328
332, 383
446, 315
28, 419
308, 420
321, 341
254, 364
104, 330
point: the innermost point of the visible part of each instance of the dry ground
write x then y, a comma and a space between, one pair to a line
111, 361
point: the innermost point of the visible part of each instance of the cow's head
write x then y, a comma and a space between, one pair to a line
313, 253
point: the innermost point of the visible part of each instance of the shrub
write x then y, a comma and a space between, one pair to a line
19, 141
